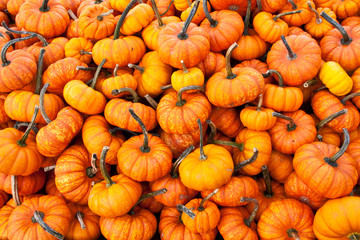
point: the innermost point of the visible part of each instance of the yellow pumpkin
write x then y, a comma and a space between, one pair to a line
186, 77
335, 78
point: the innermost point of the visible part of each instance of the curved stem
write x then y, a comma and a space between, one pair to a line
343, 101
180, 102
266, 176
83, 52
146, 196
72, 14
188, 2
294, 6
213, 131
213, 23
92, 171
113, 130
40, 37
44, 7
318, 19
346, 40
182, 208
258, 2
85, 68
291, 126
39, 71
272, 71
93, 82
354, 236
309, 83
166, 87
211, 139
42, 104
260, 102
22, 141
203, 157
168, 8
116, 70
247, 161
230, 74
330, 118
49, 168
247, 18
173, 172
332, 160
320, 89
38, 218
80, 217
126, 89
136, 67
14, 190
201, 205
145, 147
183, 66
103, 170
183, 35
157, 14
291, 54
150, 100
6, 46
101, 16
284, 14
292, 233
254, 212
122, 18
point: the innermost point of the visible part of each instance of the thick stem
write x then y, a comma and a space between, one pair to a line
80, 217
272, 71
22, 141
309, 83
354, 236
166, 87
150, 100
173, 172
212, 134
101, 16
318, 19
39, 71
292, 233
230, 74
145, 147
213, 23
183, 35
122, 19
247, 18
343, 101
201, 205
258, 2
44, 7
330, 118
260, 102
6, 46
291, 54
146, 196
83, 52
38, 218
266, 176
213, 131
188, 2
320, 89
40, 37
115, 129
203, 157
103, 170
93, 82
126, 89
136, 67
284, 14
72, 14
254, 212
346, 40
49, 168
332, 160
116, 70
85, 68
183, 66
92, 171
180, 102
247, 161
168, 8
291, 126
42, 104
182, 208
14, 190
294, 6
157, 14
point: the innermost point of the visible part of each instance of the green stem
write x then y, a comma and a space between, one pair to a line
145, 147
180, 102
40, 37
318, 19
44, 7
266, 176
294, 6
284, 14
291, 54
136, 67
272, 71
22, 141
247, 161
103, 170
258, 2
346, 40
183, 35
291, 126
201, 205
42, 105
146, 196
332, 160
14, 190
173, 172
38, 218
93, 82
157, 14
247, 18
92, 170
354, 236
122, 18
151, 101
166, 87
254, 212
85, 68
213, 23
230, 74
343, 101
126, 89
39, 71
292, 233
183, 66
6, 46
168, 8
309, 83
101, 16
83, 52
330, 118
182, 208
80, 217
203, 157
213, 131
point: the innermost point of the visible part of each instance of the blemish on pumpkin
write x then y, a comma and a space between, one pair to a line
229, 170
182, 196
234, 7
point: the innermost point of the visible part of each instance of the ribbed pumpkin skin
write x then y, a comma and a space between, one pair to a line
280, 166
257, 120
227, 120
138, 18
356, 86
272, 6
5, 213
26, 184
344, 9
298, 19
234, 5
354, 151
268, 29
57, 216
3, 116
71, 177
19, 72
258, 65
140, 226
120, 81
258, 47
335, 78
52, 139
213, 63
49, 24
4, 197
74, 47
317, 30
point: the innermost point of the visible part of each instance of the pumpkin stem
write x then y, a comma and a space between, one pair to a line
136, 67
183, 35
146, 196
247, 18
258, 2
183, 66
93, 82
150, 100
330, 118
49, 168
294, 6
38, 218
291, 126
42, 104
39, 71
247, 161
103, 170
203, 157
304, 199
174, 169
309, 83
182, 208
260, 102
168, 8
122, 19
44, 7
320, 89
86, 68
212, 134
332, 160
271, 71
180, 102
292, 233
72, 14
213, 22
230, 74
91, 171
83, 52
188, 2
115, 129
254, 212
346, 40
284, 14
266, 176
101, 16
116, 70
157, 14
145, 147
318, 19
80, 217
40, 37
354, 236
343, 101
6, 46
22, 141
126, 89
166, 87
291, 55
14, 190
201, 205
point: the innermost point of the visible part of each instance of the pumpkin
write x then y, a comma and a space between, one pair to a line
5, 213
345, 9
226, 120
187, 77
4, 197
356, 86
213, 63
351, 21
300, 18
50, 186
271, 6
318, 26
79, 48
3, 116
199, 14
150, 203
26, 185
335, 78
325, 133
138, 18
280, 166
166, 7
73, 30
182, 5
353, 151
258, 65
233, 5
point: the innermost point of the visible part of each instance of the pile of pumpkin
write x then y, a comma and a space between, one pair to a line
253, 109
